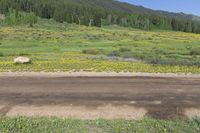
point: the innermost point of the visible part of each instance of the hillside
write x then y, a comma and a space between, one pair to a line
54, 46
105, 12
129, 8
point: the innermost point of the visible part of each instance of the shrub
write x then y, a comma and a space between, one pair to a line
153, 59
90, 51
124, 49
195, 51
122, 52
15, 17
127, 54
23, 54
188, 47
1, 54
114, 53
17, 54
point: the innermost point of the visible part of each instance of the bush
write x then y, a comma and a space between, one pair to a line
124, 49
1, 54
127, 54
15, 17
137, 38
122, 52
153, 60
195, 51
91, 51
114, 53
23, 54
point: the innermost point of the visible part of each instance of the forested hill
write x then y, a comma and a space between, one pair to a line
129, 8
104, 12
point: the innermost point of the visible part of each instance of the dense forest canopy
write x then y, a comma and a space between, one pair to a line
103, 12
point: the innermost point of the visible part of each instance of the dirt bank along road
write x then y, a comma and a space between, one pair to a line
95, 97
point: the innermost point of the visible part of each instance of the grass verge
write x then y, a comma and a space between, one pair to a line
88, 65
58, 125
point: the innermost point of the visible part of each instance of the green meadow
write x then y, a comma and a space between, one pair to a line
54, 46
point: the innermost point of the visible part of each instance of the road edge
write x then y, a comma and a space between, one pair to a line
97, 74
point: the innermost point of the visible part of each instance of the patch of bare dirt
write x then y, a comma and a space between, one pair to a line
80, 112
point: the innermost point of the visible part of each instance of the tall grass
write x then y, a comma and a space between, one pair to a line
15, 17
1, 54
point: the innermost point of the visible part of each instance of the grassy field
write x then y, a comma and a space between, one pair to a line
56, 46
57, 125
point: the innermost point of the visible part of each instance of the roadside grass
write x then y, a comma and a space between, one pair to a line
49, 43
59, 125
89, 65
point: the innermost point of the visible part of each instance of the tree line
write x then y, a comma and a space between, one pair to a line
72, 11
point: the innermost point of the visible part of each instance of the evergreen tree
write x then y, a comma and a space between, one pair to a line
76, 11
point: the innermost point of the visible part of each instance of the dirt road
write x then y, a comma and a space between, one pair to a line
95, 97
